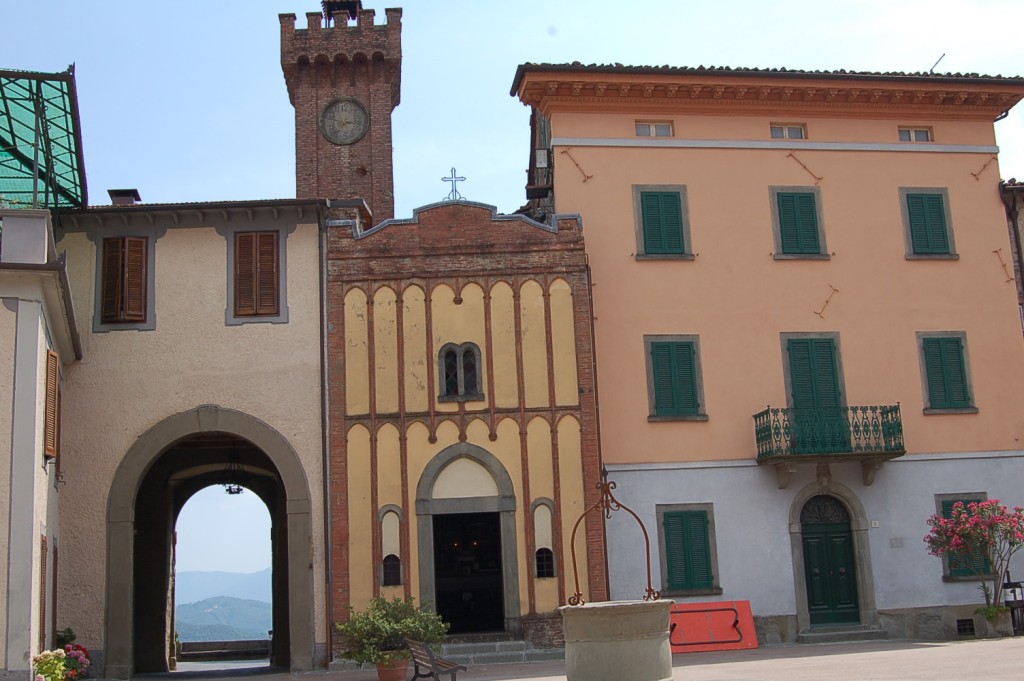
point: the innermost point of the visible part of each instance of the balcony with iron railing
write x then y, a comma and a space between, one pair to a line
868, 434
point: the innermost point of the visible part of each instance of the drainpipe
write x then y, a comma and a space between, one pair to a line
324, 427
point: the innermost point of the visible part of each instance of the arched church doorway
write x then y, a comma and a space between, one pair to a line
465, 505
830, 568
167, 465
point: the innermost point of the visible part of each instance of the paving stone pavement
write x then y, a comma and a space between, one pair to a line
993, 660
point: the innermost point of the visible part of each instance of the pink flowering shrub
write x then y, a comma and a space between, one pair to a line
981, 536
77, 660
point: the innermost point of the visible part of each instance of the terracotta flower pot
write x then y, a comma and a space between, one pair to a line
393, 671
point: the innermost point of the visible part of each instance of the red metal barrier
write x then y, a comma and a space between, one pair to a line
699, 627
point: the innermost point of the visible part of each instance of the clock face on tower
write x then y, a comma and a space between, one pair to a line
344, 121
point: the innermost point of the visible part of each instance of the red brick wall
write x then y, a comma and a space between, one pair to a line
321, 64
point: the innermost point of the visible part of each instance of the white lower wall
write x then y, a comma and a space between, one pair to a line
752, 524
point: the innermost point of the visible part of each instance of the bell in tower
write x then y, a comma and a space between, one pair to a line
344, 81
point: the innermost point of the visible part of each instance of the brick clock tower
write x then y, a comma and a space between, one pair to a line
344, 82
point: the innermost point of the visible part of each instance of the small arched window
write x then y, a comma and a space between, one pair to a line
392, 574
460, 372
545, 563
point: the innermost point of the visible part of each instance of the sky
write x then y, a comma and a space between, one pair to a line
185, 101
220, 532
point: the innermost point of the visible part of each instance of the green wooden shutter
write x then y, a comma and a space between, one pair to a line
970, 566
662, 217
687, 550
927, 214
946, 373
814, 379
675, 378
798, 223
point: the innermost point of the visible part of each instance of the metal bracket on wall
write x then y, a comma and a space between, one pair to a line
576, 163
803, 165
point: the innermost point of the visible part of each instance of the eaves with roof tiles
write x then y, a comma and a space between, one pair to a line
547, 85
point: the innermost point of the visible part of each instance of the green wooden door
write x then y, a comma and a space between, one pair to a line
819, 419
830, 568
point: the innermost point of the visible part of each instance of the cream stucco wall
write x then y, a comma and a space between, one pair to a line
131, 380
8, 333
738, 299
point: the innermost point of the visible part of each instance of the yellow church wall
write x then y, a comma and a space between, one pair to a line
503, 338
385, 346
570, 467
563, 344
534, 345
538, 447
389, 467
414, 331
361, 518
357, 359
420, 450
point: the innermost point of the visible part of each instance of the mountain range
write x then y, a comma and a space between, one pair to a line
223, 618
191, 587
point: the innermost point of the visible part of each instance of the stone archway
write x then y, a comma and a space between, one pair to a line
859, 526
125, 488
503, 503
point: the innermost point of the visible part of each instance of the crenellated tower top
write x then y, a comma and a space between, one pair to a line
344, 80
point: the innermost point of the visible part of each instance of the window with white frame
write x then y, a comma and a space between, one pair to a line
654, 129
788, 131
911, 134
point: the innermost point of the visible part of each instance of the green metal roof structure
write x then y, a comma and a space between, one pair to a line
41, 162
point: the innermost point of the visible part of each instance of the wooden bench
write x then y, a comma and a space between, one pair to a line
433, 667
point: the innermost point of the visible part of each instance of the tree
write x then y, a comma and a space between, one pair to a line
981, 536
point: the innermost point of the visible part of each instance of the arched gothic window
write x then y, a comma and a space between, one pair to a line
460, 372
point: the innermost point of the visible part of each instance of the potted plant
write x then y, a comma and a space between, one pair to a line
377, 635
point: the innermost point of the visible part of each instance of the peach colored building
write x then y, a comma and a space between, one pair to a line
806, 327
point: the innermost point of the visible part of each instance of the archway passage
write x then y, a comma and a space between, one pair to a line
188, 466
829, 562
468, 571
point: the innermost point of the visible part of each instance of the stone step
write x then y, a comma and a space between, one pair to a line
839, 634
481, 647
505, 651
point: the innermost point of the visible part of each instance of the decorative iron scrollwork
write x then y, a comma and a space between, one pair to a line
608, 504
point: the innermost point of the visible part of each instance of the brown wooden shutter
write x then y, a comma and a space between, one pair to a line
51, 416
245, 273
135, 279
267, 276
112, 277
256, 274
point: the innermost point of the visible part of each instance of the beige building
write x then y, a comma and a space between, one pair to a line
201, 333
803, 302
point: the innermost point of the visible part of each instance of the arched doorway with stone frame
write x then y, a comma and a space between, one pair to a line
167, 465
836, 499
465, 482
